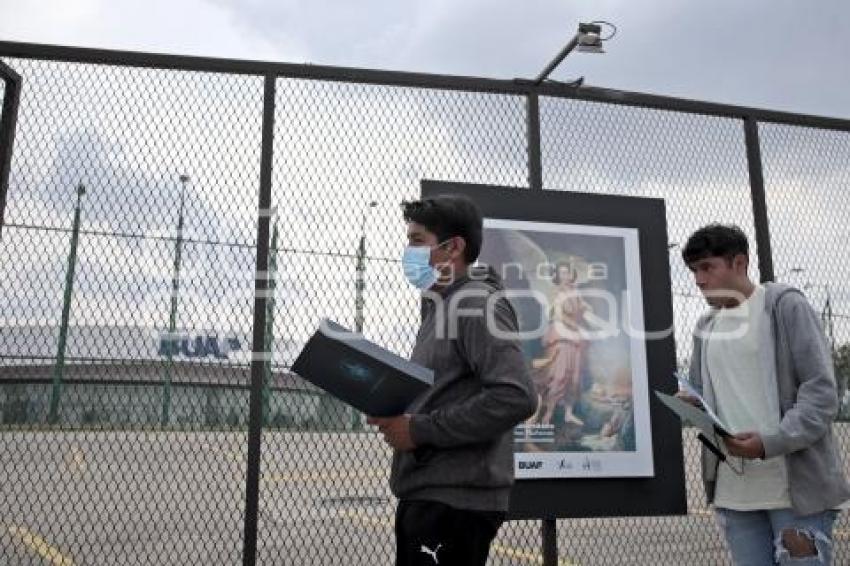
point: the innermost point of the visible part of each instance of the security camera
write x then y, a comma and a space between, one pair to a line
590, 28
590, 38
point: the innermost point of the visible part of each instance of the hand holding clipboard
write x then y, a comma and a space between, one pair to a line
698, 414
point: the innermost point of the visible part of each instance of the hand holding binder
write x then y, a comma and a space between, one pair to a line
360, 373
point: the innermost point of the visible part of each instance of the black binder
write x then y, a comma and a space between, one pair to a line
360, 373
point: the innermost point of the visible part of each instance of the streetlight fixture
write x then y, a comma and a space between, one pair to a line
359, 287
588, 39
787, 272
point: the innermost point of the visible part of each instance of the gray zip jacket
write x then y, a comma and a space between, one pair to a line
794, 349
462, 426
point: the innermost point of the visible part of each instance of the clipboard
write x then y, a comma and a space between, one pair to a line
706, 421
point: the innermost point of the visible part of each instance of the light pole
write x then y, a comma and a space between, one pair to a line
172, 316
671, 246
360, 283
359, 287
826, 313
59, 368
270, 312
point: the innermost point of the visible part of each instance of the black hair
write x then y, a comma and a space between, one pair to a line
448, 216
716, 240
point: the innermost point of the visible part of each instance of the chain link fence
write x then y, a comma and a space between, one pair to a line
141, 423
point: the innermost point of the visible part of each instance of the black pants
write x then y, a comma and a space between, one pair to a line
428, 533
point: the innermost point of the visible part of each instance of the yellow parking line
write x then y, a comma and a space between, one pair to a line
364, 518
527, 555
50, 553
508, 551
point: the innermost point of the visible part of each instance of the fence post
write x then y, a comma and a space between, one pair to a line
8, 121
258, 357
549, 532
548, 527
765, 256
535, 165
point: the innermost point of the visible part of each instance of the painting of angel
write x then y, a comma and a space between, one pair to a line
577, 293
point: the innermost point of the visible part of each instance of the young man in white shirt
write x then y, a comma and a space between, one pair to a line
761, 360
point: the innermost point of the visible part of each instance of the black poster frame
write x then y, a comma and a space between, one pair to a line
665, 492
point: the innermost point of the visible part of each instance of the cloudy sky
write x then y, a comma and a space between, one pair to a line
343, 145
780, 54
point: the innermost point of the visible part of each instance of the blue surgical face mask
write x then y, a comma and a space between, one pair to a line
416, 263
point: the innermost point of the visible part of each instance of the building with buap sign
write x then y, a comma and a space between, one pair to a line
136, 376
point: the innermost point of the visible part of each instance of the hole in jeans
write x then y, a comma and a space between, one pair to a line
801, 544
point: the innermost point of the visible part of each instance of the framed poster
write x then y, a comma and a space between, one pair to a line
589, 278
578, 294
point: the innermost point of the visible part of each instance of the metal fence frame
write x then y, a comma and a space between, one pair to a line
750, 119
8, 121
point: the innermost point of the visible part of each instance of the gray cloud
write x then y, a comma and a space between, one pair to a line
775, 54
767, 53
779, 54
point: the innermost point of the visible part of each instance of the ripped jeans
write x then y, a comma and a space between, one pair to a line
758, 538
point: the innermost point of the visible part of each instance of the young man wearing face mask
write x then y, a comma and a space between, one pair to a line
453, 466
762, 362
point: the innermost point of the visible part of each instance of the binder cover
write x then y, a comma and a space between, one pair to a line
360, 373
